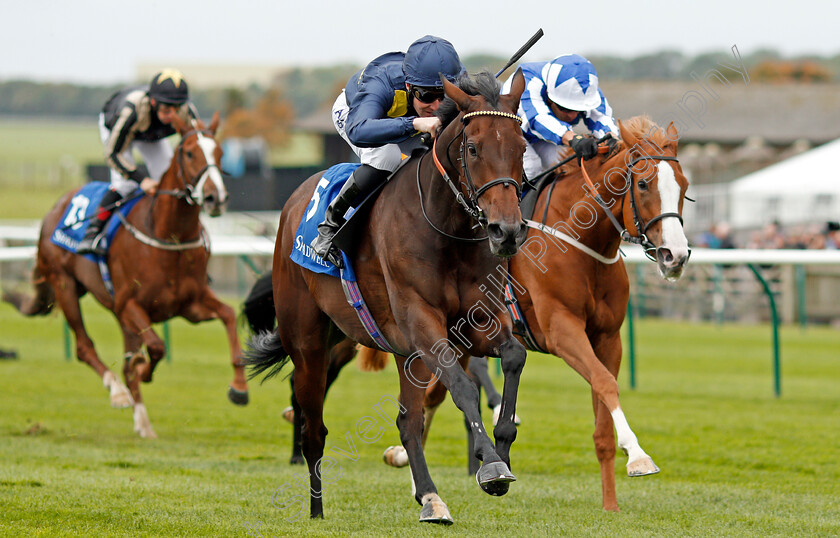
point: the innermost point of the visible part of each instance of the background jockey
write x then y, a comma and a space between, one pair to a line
139, 118
391, 99
558, 95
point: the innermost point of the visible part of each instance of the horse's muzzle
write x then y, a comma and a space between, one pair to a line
506, 238
671, 263
213, 205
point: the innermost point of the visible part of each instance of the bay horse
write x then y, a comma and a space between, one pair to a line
573, 301
158, 270
420, 267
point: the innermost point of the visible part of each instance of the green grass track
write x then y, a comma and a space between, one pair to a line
735, 460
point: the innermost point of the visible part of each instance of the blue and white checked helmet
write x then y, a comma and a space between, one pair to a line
572, 82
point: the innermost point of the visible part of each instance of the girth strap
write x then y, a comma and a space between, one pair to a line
354, 297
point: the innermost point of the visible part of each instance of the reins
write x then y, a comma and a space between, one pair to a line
468, 203
641, 227
196, 182
202, 240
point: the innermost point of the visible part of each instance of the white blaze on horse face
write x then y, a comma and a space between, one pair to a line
208, 147
673, 236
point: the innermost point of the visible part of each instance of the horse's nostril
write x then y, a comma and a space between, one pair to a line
495, 232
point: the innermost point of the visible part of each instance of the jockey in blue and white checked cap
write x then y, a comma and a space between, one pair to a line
558, 95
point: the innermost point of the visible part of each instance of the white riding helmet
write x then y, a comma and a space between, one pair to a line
572, 82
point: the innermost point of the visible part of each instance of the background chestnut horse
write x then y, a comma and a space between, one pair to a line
575, 303
152, 283
420, 266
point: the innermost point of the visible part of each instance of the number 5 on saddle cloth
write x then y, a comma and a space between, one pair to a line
303, 254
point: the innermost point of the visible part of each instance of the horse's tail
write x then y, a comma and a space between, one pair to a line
265, 353
40, 304
372, 360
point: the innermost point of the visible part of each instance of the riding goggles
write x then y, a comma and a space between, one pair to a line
427, 95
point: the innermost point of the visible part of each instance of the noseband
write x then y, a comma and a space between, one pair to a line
641, 227
195, 183
470, 202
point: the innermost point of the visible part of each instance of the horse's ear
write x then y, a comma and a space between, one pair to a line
456, 94
672, 133
626, 136
516, 89
179, 124
214, 123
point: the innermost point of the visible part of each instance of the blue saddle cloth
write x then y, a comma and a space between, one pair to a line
72, 226
327, 189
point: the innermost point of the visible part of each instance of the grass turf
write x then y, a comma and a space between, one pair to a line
735, 460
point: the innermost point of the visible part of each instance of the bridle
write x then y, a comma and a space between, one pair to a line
469, 202
194, 186
641, 226
192, 194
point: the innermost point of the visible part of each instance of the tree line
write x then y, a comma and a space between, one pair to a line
300, 91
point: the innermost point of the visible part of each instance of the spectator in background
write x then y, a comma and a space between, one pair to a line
832, 235
720, 236
771, 236
723, 235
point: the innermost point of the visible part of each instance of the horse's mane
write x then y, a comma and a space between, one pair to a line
482, 83
644, 128
638, 127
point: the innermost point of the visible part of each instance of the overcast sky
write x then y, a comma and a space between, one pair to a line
99, 41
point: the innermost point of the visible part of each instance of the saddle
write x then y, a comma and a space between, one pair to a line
532, 193
346, 237
79, 212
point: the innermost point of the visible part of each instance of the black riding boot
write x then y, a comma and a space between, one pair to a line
360, 183
92, 242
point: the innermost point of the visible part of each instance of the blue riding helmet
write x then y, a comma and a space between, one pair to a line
572, 82
427, 58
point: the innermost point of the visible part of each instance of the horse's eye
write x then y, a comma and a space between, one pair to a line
472, 150
189, 154
643, 185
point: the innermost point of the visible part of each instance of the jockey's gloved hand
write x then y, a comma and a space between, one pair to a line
611, 141
584, 146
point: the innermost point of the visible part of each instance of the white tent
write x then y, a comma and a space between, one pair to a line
804, 189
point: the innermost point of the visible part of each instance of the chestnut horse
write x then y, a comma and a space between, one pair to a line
573, 301
420, 266
158, 269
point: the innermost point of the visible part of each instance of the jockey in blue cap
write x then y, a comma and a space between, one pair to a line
558, 95
391, 99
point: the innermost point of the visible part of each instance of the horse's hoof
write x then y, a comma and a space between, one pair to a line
289, 414
642, 467
494, 478
121, 399
142, 425
435, 510
296, 460
395, 456
147, 433
119, 393
238, 397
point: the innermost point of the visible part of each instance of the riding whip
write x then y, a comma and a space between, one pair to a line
521, 52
